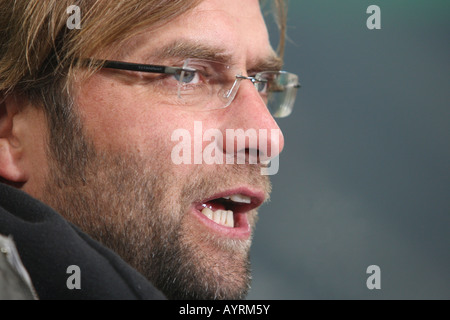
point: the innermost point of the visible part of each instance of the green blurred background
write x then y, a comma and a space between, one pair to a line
365, 174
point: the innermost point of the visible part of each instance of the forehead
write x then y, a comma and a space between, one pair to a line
226, 29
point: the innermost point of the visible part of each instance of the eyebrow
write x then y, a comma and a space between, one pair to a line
270, 63
184, 49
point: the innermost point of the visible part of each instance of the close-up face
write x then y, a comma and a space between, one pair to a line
186, 226
157, 149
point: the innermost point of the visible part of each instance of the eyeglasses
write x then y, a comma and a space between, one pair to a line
208, 85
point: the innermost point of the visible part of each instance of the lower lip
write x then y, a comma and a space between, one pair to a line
241, 231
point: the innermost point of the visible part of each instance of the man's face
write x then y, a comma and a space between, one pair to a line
134, 198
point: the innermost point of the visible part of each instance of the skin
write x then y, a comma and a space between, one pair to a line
134, 199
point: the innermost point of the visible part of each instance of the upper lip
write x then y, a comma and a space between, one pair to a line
257, 198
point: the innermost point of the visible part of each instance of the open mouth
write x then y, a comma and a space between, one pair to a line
228, 211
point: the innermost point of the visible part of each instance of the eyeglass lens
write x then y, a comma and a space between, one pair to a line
214, 86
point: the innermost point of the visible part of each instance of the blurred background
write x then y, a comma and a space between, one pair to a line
365, 174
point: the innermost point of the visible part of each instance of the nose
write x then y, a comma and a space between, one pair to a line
251, 132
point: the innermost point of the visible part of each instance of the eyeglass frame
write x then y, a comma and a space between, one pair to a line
161, 69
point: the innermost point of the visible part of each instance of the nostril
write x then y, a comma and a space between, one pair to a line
248, 156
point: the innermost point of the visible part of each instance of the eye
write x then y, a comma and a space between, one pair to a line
261, 86
188, 77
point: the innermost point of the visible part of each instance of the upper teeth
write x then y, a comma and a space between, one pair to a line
239, 198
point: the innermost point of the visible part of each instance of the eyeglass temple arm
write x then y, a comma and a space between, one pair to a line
128, 66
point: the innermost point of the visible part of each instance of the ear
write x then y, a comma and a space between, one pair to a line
11, 151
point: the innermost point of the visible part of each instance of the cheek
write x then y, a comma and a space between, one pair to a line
122, 119
117, 117
34, 137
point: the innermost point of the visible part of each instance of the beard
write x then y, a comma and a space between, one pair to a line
139, 208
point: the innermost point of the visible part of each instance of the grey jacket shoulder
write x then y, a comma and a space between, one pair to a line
15, 283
